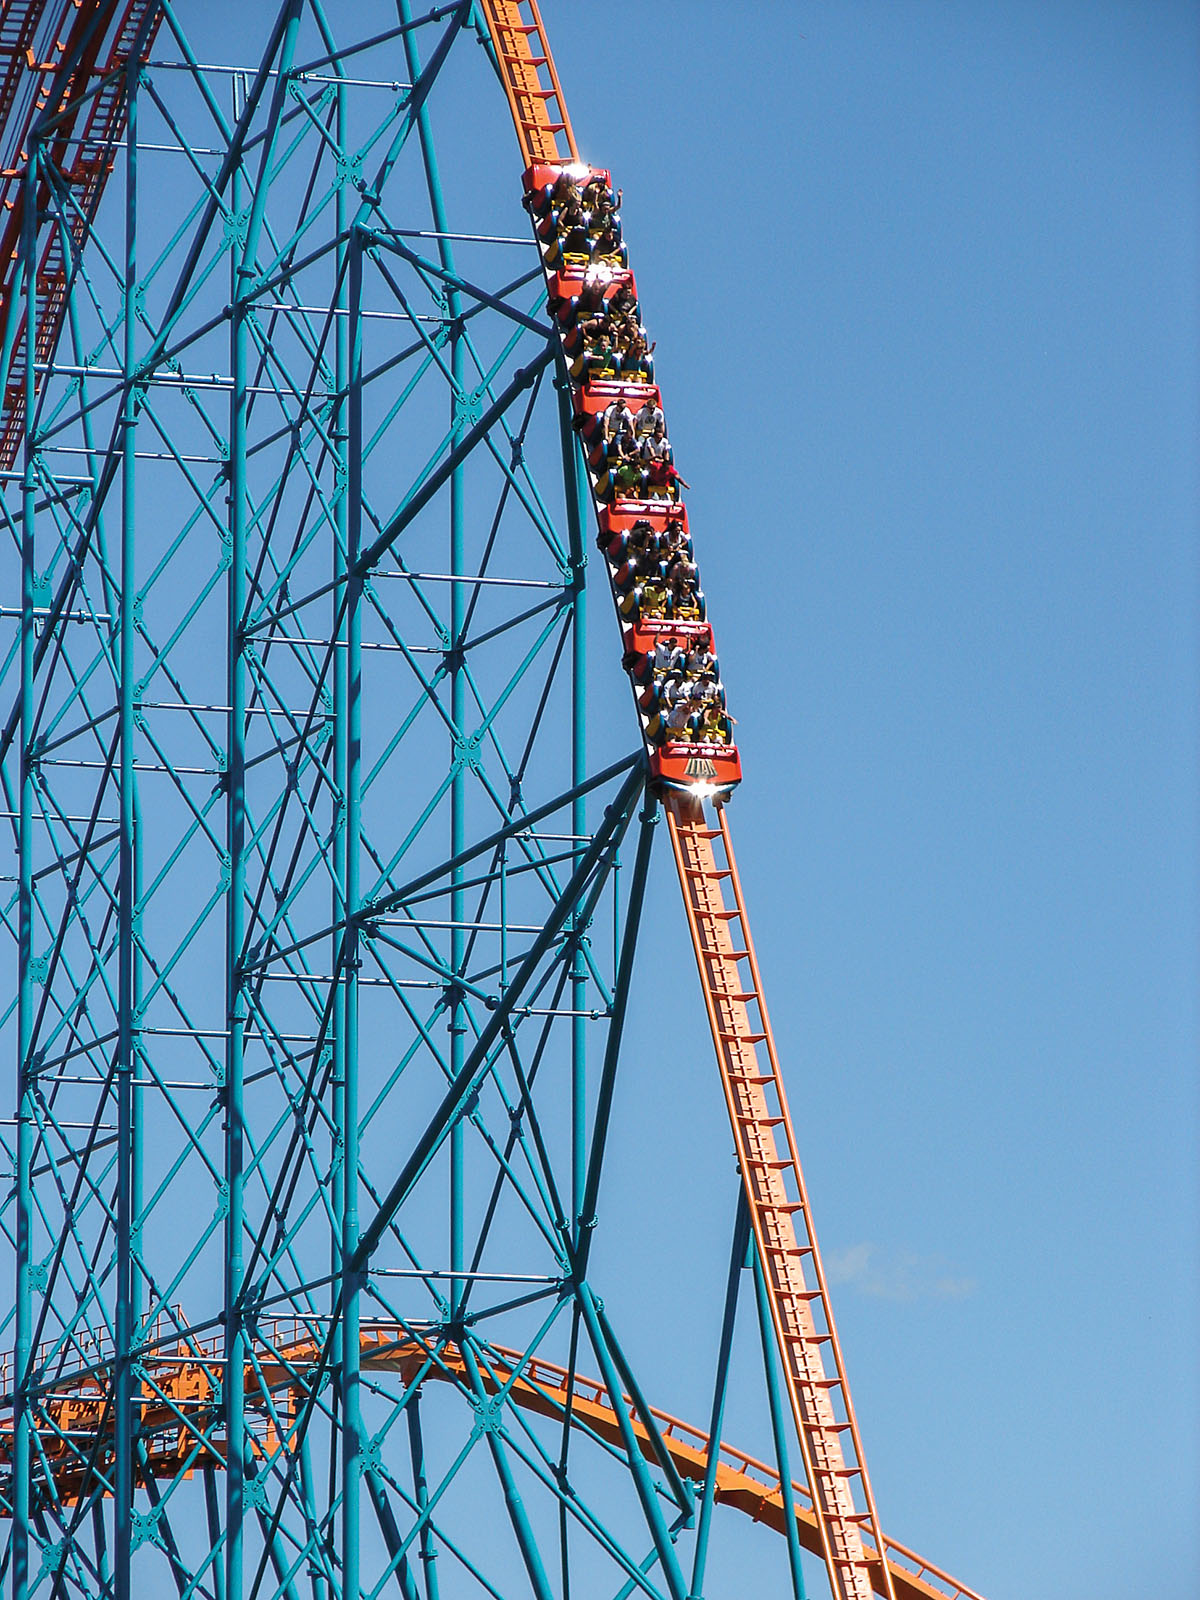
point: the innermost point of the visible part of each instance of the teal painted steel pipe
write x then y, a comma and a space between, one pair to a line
425, 1545
737, 1265
23, 1330
780, 1416
616, 1030
123, 1386
578, 501
530, 1554
646, 1491
235, 938
351, 1284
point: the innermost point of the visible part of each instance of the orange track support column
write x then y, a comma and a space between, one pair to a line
778, 1200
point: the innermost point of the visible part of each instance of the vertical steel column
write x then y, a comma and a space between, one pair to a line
454, 657
578, 500
241, 291
425, 1544
235, 930
347, 435
458, 785
125, 1330
737, 1264
23, 1341
779, 1420
352, 1274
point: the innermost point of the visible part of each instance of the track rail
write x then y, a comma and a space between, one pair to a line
778, 1199
530, 81
179, 1404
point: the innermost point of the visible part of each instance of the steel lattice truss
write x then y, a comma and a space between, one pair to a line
306, 882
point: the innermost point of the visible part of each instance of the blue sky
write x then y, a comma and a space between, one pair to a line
923, 281
922, 278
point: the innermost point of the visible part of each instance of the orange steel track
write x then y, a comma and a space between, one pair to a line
78, 94
777, 1197
179, 1402
530, 81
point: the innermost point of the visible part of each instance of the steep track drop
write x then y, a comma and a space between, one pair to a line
843, 1506
842, 1501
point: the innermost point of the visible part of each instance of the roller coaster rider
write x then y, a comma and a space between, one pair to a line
625, 476
564, 192
683, 575
648, 417
624, 303
599, 199
678, 720
635, 357
715, 726
699, 660
589, 302
668, 659
617, 419
657, 447
663, 480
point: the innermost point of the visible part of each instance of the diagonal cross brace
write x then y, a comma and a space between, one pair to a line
522, 379
477, 1064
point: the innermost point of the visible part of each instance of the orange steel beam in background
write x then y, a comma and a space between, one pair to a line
81, 92
180, 1399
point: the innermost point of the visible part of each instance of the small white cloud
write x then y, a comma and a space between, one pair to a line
902, 1275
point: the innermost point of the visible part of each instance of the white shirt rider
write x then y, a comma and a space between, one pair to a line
617, 416
647, 418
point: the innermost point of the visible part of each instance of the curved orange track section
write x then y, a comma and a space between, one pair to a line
179, 1406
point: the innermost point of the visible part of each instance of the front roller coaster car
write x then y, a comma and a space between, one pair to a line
704, 769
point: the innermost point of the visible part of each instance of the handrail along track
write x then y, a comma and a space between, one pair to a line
179, 1403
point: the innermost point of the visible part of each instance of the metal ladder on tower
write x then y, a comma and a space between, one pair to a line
778, 1200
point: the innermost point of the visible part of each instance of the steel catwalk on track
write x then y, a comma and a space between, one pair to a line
319, 1040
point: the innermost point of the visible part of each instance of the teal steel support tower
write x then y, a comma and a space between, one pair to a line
319, 939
